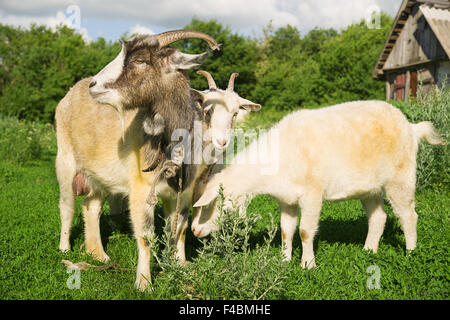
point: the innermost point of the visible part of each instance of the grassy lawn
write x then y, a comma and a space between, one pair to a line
31, 268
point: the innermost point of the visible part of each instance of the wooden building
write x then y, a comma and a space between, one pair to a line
417, 49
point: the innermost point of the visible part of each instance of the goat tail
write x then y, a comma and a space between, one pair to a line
425, 130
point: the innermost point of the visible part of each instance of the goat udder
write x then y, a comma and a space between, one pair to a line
80, 186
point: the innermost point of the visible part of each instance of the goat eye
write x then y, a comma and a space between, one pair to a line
139, 61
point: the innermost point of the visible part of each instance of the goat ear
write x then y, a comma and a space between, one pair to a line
184, 61
248, 105
123, 45
207, 197
198, 96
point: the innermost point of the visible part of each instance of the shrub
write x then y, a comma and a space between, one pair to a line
225, 266
22, 142
433, 162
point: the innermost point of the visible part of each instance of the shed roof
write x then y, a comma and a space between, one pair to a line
437, 14
439, 21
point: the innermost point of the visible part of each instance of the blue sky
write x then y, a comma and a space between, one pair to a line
111, 19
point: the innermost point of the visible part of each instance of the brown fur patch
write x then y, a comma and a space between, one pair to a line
304, 235
283, 236
143, 242
378, 138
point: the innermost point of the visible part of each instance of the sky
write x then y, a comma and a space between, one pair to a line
111, 19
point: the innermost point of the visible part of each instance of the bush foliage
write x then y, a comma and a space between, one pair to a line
24, 141
433, 162
38, 67
227, 258
283, 70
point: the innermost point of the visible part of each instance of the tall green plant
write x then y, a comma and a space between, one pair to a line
225, 265
433, 162
24, 141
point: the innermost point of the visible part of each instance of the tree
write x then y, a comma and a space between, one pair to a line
346, 63
40, 65
322, 68
288, 74
285, 70
237, 54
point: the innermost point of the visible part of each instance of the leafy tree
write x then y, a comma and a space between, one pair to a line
283, 71
346, 63
237, 54
323, 67
288, 75
312, 42
40, 65
284, 42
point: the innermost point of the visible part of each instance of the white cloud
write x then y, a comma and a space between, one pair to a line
138, 29
237, 14
25, 21
339, 14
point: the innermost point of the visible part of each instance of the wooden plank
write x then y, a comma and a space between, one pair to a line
399, 86
394, 32
417, 63
413, 83
388, 90
405, 92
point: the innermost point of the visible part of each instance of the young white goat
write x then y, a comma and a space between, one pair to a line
353, 150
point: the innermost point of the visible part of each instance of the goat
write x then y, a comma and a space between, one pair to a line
220, 108
147, 77
90, 142
355, 150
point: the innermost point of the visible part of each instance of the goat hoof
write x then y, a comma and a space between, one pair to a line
309, 264
99, 256
143, 284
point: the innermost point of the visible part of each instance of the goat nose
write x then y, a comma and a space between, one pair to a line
92, 83
195, 231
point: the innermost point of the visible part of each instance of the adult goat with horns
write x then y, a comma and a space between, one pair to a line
146, 78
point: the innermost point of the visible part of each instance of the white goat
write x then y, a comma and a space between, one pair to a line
352, 150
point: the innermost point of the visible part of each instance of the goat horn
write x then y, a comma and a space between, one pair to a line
231, 82
169, 37
208, 76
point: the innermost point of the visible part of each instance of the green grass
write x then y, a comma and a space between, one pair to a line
31, 268
242, 261
24, 141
